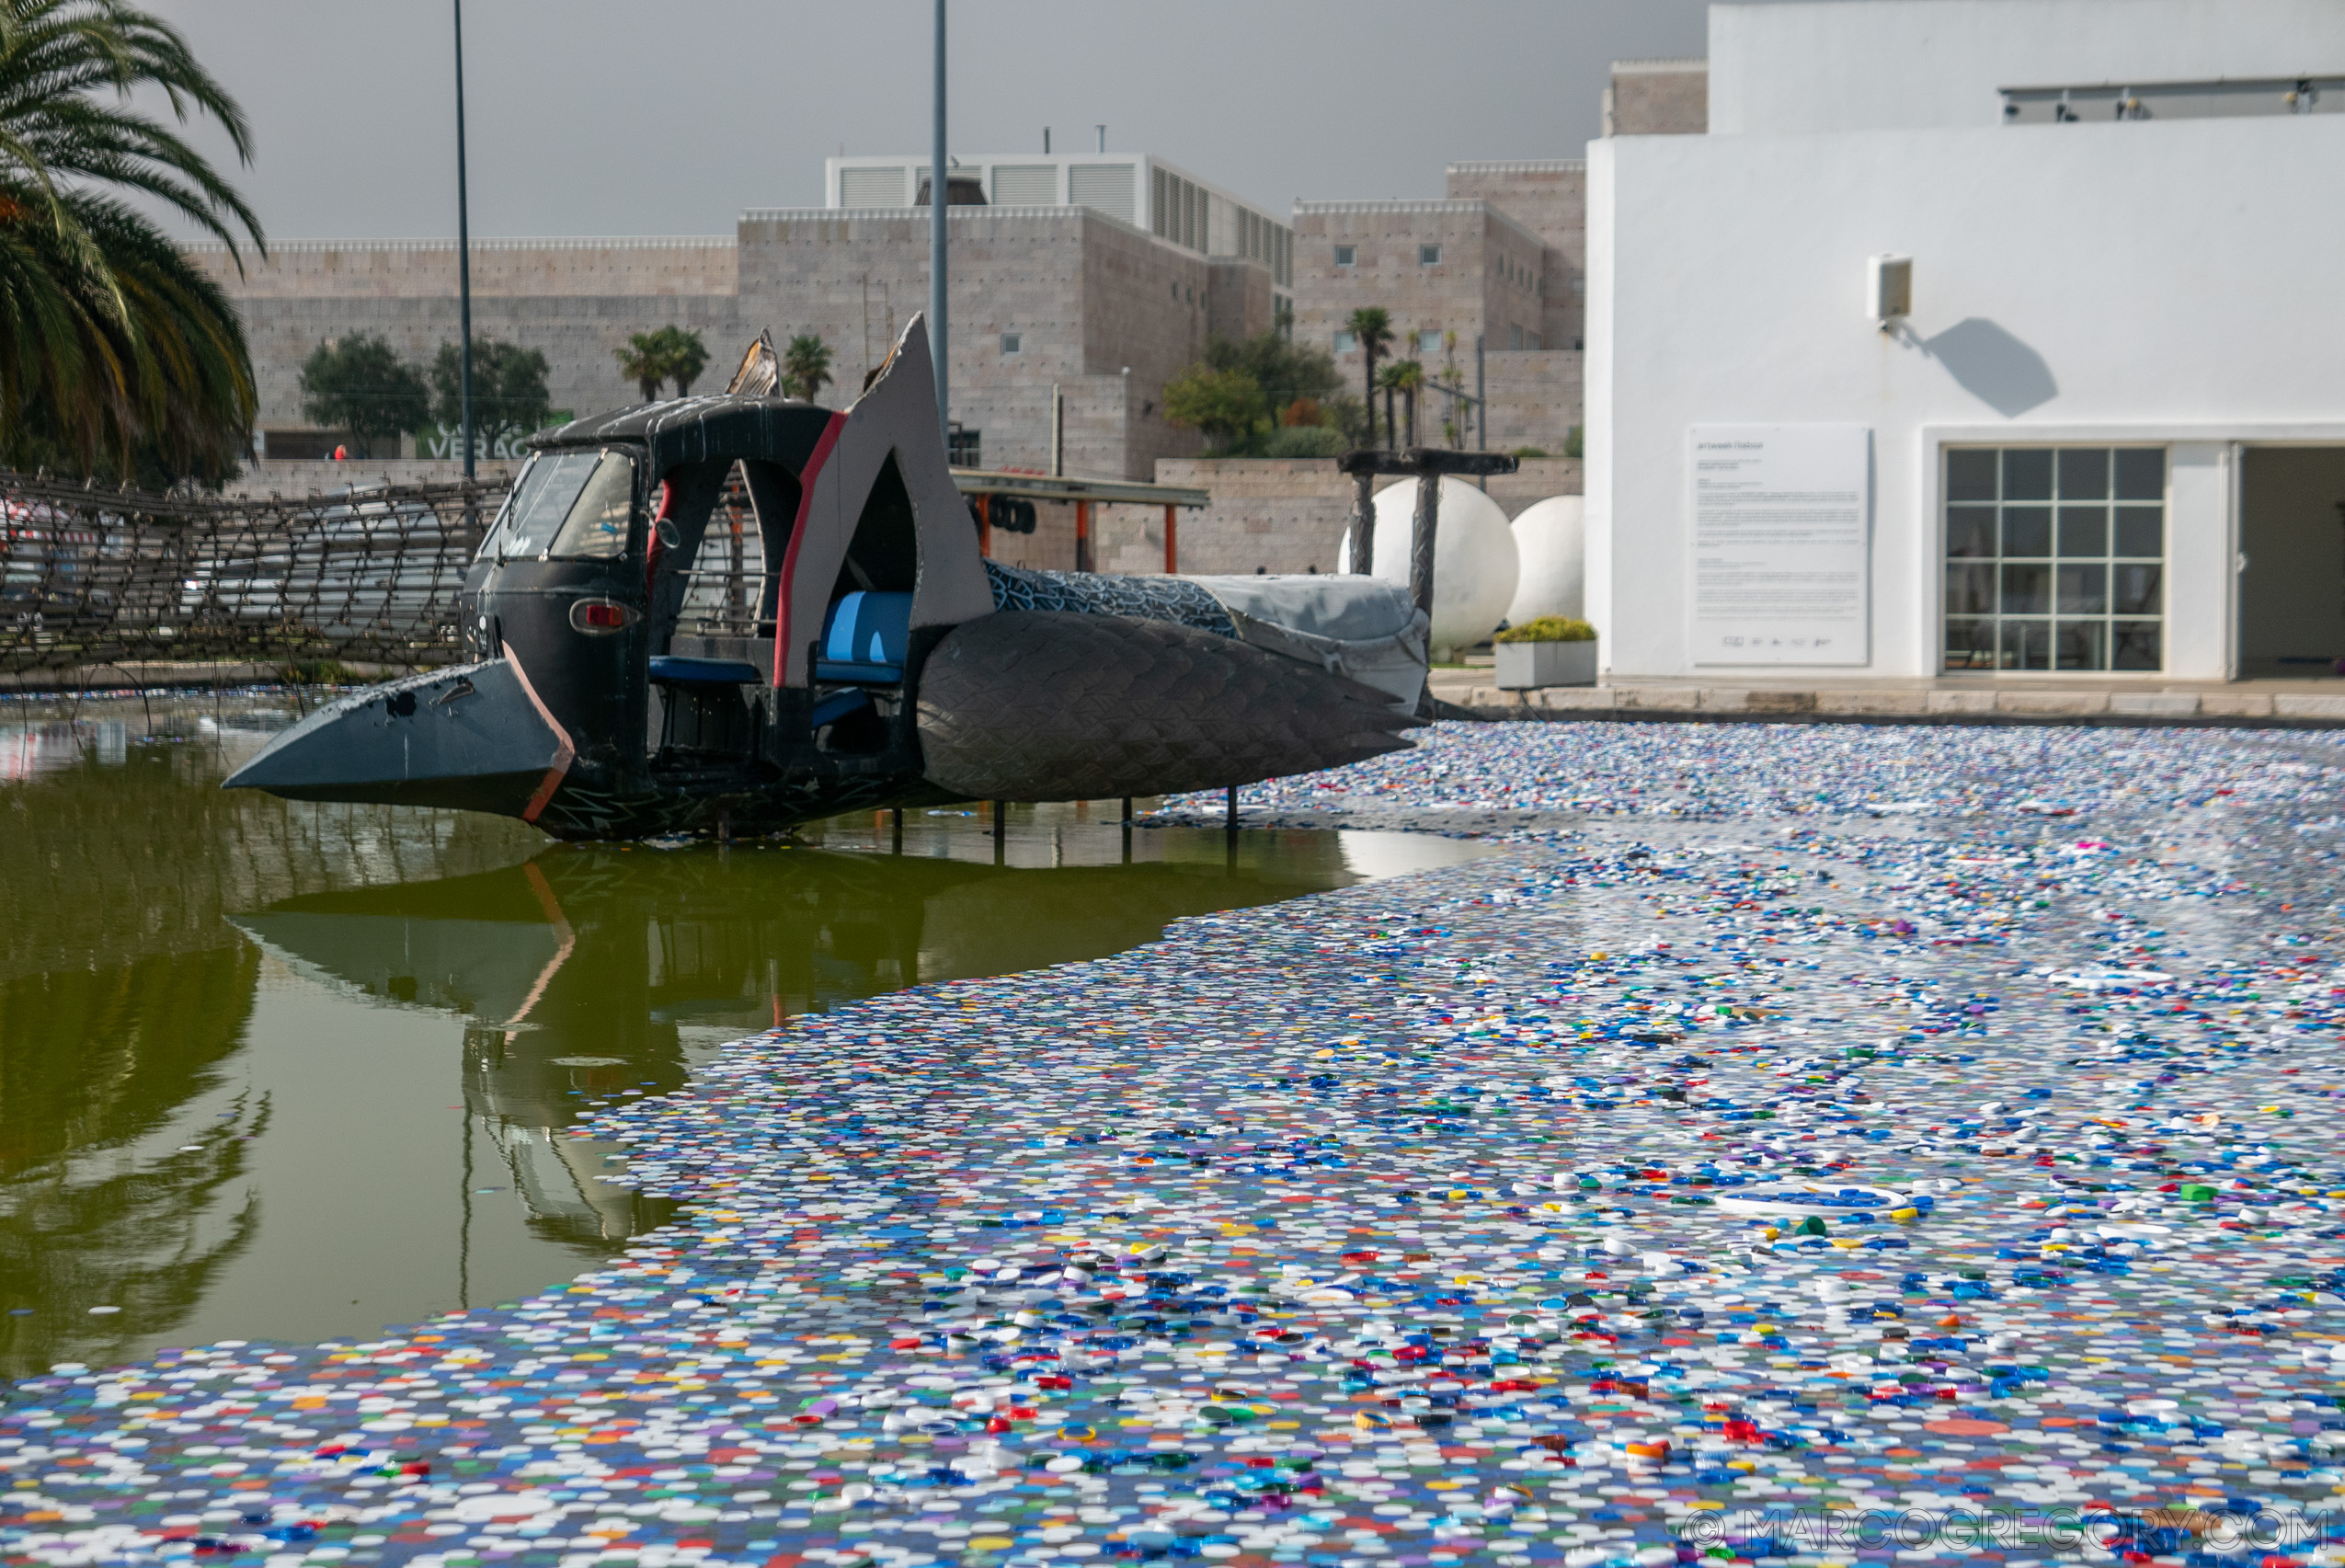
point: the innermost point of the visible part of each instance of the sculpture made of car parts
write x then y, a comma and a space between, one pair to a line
889, 663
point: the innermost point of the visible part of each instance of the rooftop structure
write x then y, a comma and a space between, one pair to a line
1137, 189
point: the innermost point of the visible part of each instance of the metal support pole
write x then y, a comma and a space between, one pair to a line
1058, 430
985, 525
1000, 820
1363, 524
896, 830
1171, 540
1481, 400
938, 340
1233, 808
464, 257
1082, 536
1421, 540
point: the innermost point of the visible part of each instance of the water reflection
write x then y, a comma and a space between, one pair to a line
270, 1069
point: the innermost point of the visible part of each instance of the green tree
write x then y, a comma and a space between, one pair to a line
1284, 372
1372, 326
508, 391
643, 359
119, 356
1388, 381
358, 384
1223, 403
805, 367
686, 355
1408, 378
1345, 413
1304, 440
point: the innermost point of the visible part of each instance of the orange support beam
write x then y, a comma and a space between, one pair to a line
1171, 540
985, 525
1082, 536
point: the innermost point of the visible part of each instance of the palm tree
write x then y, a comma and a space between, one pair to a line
687, 357
1390, 381
805, 367
1371, 326
1408, 376
117, 349
644, 361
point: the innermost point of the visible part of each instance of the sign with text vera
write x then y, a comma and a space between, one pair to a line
1779, 545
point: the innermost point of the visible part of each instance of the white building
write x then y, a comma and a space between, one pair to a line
2107, 431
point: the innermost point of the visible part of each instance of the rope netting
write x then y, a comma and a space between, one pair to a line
91, 577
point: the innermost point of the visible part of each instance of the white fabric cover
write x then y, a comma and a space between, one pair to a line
1358, 627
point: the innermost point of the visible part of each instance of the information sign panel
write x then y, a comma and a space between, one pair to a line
1781, 541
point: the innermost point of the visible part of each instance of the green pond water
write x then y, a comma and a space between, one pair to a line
278, 1071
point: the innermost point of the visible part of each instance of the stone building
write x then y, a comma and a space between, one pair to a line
1657, 97
1498, 264
1062, 294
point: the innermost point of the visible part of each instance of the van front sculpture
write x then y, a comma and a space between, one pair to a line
890, 664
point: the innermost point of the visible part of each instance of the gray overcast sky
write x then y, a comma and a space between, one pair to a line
597, 117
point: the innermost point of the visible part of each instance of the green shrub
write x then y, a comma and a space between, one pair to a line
1529, 451
1304, 440
1549, 629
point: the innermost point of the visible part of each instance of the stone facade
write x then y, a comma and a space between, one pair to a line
1062, 296
1657, 97
1550, 198
1535, 400
1463, 267
1276, 514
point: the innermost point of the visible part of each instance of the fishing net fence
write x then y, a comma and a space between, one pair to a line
93, 577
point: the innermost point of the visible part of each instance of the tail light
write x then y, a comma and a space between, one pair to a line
601, 617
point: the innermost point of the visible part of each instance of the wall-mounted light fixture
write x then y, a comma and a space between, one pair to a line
1889, 288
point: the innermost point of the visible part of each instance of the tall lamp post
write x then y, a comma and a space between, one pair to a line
938, 344
465, 256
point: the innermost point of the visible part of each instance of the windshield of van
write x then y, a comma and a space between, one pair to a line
589, 491
596, 529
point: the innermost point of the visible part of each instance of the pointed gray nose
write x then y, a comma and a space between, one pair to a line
469, 737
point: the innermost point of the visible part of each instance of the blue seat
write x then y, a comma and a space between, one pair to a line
866, 639
669, 670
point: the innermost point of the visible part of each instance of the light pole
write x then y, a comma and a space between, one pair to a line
937, 183
464, 257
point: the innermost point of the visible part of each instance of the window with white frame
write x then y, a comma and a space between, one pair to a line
1429, 341
2056, 557
1346, 255
1011, 343
1428, 256
1346, 342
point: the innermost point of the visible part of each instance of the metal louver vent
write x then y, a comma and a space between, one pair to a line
1108, 187
874, 187
1025, 185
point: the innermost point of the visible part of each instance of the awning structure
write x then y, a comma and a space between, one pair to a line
1051, 487
986, 486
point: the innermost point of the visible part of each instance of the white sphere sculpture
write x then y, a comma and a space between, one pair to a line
1474, 561
1551, 538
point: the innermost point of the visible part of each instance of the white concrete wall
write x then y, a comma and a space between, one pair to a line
1881, 65
2161, 281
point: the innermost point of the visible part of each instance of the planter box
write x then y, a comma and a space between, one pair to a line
1524, 664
